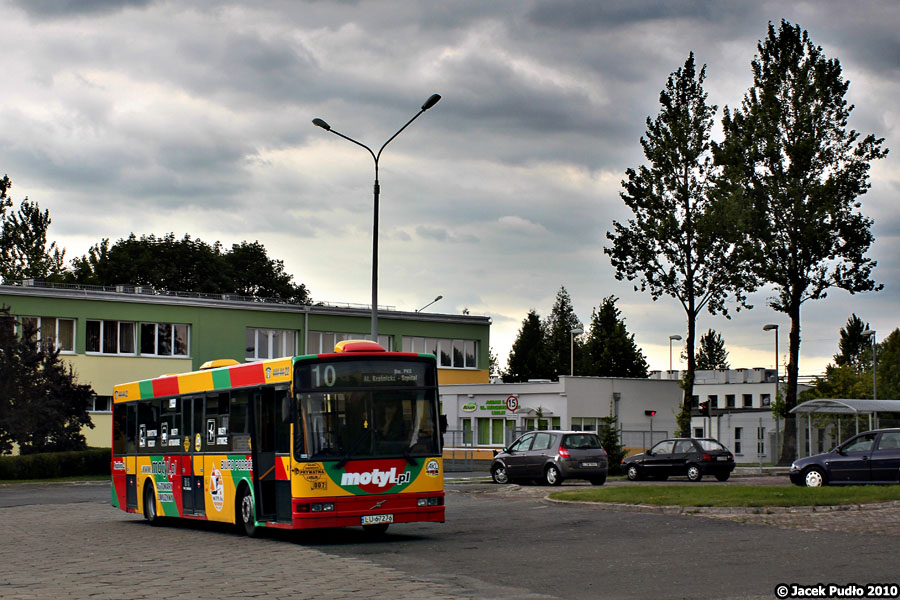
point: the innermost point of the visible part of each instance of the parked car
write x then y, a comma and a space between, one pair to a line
552, 456
869, 457
681, 456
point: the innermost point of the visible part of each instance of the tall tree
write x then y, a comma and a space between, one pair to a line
888, 366
42, 406
609, 350
712, 353
854, 348
790, 159
558, 331
528, 357
675, 244
24, 251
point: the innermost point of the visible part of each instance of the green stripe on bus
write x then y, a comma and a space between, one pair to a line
146, 387
221, 379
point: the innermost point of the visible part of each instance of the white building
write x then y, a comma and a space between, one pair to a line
490, 416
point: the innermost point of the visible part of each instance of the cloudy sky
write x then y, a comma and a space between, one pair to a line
195, 117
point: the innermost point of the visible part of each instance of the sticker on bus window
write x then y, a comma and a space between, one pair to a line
210, 431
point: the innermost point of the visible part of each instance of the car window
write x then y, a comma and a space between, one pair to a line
860, 444
711, 445
523, 443
542, 441
663, 447
581, 441
684, 446
890, 440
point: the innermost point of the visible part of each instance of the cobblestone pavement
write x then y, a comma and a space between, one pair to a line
93, 551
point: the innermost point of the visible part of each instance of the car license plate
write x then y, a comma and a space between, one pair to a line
588, 464
375, 519
722, 458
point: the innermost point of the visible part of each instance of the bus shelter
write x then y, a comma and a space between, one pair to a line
854, 408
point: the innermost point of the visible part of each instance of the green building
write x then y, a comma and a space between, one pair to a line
118, 334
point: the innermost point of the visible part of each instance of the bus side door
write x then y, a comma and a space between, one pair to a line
270, 423
192, 490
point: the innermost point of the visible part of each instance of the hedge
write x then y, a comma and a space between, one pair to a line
93, 461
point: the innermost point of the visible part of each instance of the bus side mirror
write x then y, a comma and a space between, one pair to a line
443, 421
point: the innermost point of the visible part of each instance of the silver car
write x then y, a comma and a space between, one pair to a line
551, 457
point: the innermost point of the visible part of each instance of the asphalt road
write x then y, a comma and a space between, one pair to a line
498, 542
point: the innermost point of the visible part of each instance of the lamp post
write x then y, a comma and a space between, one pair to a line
320, 123
868, 333
574, 332
429, 304
771, 327
672, 337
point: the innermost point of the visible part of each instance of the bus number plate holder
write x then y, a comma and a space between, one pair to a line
376, 519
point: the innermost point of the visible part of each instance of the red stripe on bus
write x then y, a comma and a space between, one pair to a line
252, 374
165, 386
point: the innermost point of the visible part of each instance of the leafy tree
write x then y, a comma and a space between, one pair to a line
609, 438
610, 351
790, 160
854, 348
527, 357
187, 264
42, 407
24, 252
712, 353
888, 366
675, 244
558, 335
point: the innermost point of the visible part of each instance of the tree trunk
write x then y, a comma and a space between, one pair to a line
687, 383
789, 447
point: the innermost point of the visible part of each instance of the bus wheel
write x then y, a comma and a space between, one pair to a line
246, 513
376, 530
150, 505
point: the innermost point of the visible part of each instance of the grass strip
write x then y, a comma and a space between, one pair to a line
733, 495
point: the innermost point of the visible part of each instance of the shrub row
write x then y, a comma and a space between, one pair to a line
93, 461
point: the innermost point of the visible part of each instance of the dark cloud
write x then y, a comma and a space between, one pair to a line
71, 8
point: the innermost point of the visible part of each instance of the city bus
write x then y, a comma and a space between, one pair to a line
349, 438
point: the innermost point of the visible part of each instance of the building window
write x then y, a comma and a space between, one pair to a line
451, 354
698, 432
102, 404
323, 342
738, 433
59, 333
765, 400
748, 400
730, 401
270, 343
165, 339
546, 423
109, 337
713, 401
585, 424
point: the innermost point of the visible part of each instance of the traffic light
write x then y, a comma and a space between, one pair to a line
649, 413
704, 409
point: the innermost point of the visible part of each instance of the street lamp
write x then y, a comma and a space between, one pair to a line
867, 333
574, 332
672, 337
771, 327
429, 304
320, 123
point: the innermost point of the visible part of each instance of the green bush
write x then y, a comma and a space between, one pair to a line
93, 461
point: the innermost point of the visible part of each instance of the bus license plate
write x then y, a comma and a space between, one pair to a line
375, 519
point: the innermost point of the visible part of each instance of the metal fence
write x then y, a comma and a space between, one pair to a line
641, 439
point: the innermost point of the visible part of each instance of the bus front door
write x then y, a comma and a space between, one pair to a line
270, 448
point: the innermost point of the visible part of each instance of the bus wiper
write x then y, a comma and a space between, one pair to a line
409, 459
351, 451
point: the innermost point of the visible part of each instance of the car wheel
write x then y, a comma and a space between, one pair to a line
633, 473
597, 480
723, 476
552, 476
247, 514
150, 505
499, 474
694, 473
814, 477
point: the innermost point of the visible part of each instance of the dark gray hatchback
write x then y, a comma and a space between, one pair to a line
551, 457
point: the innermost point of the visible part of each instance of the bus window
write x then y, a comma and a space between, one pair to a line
148, 426
120, 422
239, 422
170, 431
217, 406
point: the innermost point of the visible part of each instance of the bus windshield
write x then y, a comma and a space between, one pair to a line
367, 424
